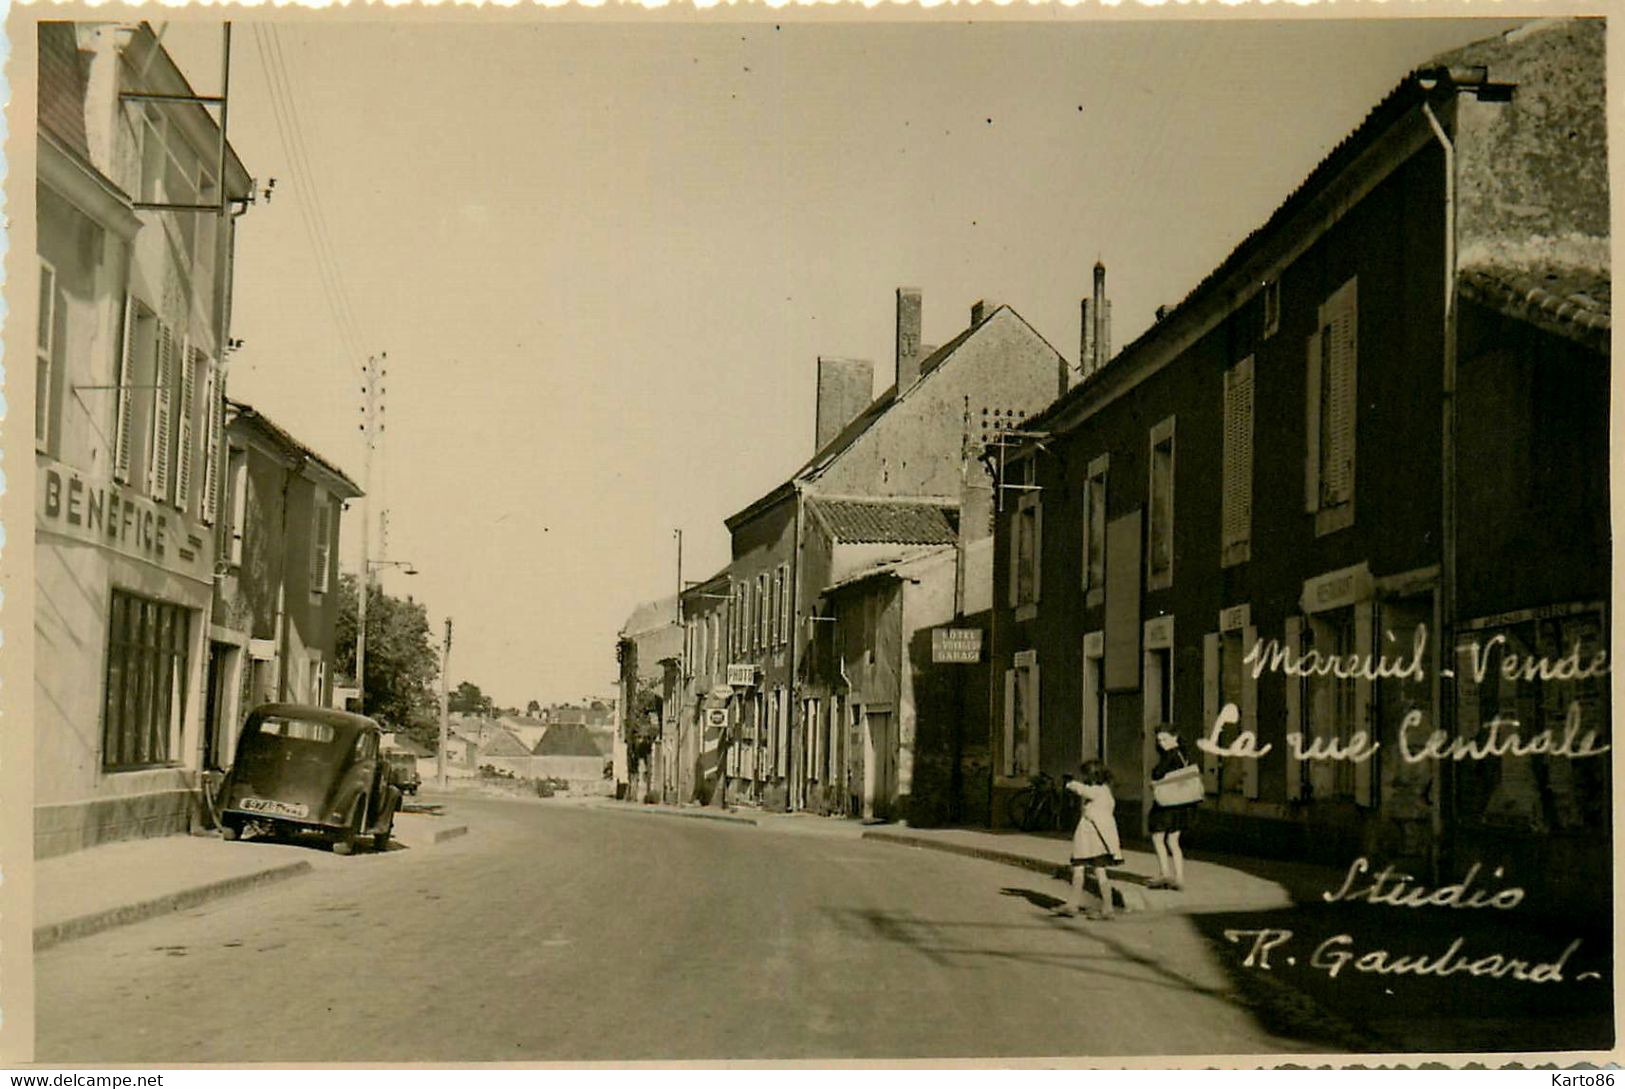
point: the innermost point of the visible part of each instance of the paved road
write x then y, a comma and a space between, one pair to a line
556, 932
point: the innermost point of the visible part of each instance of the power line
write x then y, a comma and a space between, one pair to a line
318, 211
326, 274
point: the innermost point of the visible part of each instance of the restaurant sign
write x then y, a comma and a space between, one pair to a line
103, 512
956, 645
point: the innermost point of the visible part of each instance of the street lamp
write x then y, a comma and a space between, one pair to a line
363, 592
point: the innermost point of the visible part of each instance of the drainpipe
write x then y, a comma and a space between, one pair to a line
1447, 558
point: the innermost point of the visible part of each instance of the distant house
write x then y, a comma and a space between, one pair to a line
568, 751
500, 749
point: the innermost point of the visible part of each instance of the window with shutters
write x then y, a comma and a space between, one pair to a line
786, 605
1027, 555
1333, 382
1094, 530
135, 410
1237, 502
1021, 716
190, 365
321, 542
1159, 569
232, 529
165, 398
46, 368
762, 602
214, 413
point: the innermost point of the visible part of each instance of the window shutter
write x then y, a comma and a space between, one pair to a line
1038, 546
1364, 777
1249, 714
209, 502
1210, 707
1311, 460
1008, 760
1034, 718
158, 471
190, 359
1238, 455
123, 424
1342, 319
239, 507
1294, 711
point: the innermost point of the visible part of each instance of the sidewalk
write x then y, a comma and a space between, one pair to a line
86, 892
1212, 883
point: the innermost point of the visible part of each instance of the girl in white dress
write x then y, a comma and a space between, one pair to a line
1095, 842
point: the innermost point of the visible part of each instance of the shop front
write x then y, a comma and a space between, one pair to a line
123, 586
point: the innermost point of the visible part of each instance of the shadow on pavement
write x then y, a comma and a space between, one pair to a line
1419, 979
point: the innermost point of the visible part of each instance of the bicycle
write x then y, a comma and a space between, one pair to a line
1042, 805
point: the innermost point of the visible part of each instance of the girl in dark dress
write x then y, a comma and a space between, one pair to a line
1167, 822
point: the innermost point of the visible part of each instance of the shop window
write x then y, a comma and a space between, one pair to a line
145, 690
1331, 405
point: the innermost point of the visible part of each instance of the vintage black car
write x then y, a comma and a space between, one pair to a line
304, 769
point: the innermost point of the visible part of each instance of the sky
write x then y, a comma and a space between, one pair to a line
604, 257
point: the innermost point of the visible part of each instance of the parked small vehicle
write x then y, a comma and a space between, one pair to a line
404, 767
304, 769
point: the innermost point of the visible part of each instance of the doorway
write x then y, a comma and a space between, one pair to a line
879, 766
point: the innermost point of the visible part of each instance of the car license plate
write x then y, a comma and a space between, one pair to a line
274, 808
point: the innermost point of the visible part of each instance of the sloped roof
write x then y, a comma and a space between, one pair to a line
864, 420
499, 742
567, 739
1412, 90
651, 616
62, 86
342, 485
1571, 302
860, 521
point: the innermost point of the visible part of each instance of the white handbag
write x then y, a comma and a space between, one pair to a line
1182, 786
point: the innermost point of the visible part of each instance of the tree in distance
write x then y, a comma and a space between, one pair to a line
402, 666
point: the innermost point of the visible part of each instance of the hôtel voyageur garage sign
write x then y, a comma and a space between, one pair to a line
103, 512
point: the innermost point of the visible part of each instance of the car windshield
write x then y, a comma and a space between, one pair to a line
297, 729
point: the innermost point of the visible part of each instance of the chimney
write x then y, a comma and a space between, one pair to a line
1095, 345
845, 388
908, 337
981, 310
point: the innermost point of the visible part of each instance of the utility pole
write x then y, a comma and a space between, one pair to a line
369, 429
445, 718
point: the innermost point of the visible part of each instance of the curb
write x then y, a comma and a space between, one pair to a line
694, 816
85, 925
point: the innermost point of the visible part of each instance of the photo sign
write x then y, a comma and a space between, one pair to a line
956, 645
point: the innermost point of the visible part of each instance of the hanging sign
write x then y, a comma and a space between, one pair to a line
956, 645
